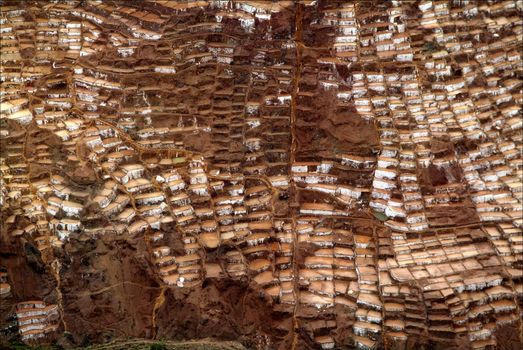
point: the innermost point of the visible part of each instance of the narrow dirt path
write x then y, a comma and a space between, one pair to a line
294, 144
158, 302
55, 267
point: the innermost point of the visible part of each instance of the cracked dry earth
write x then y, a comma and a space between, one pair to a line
283, 174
